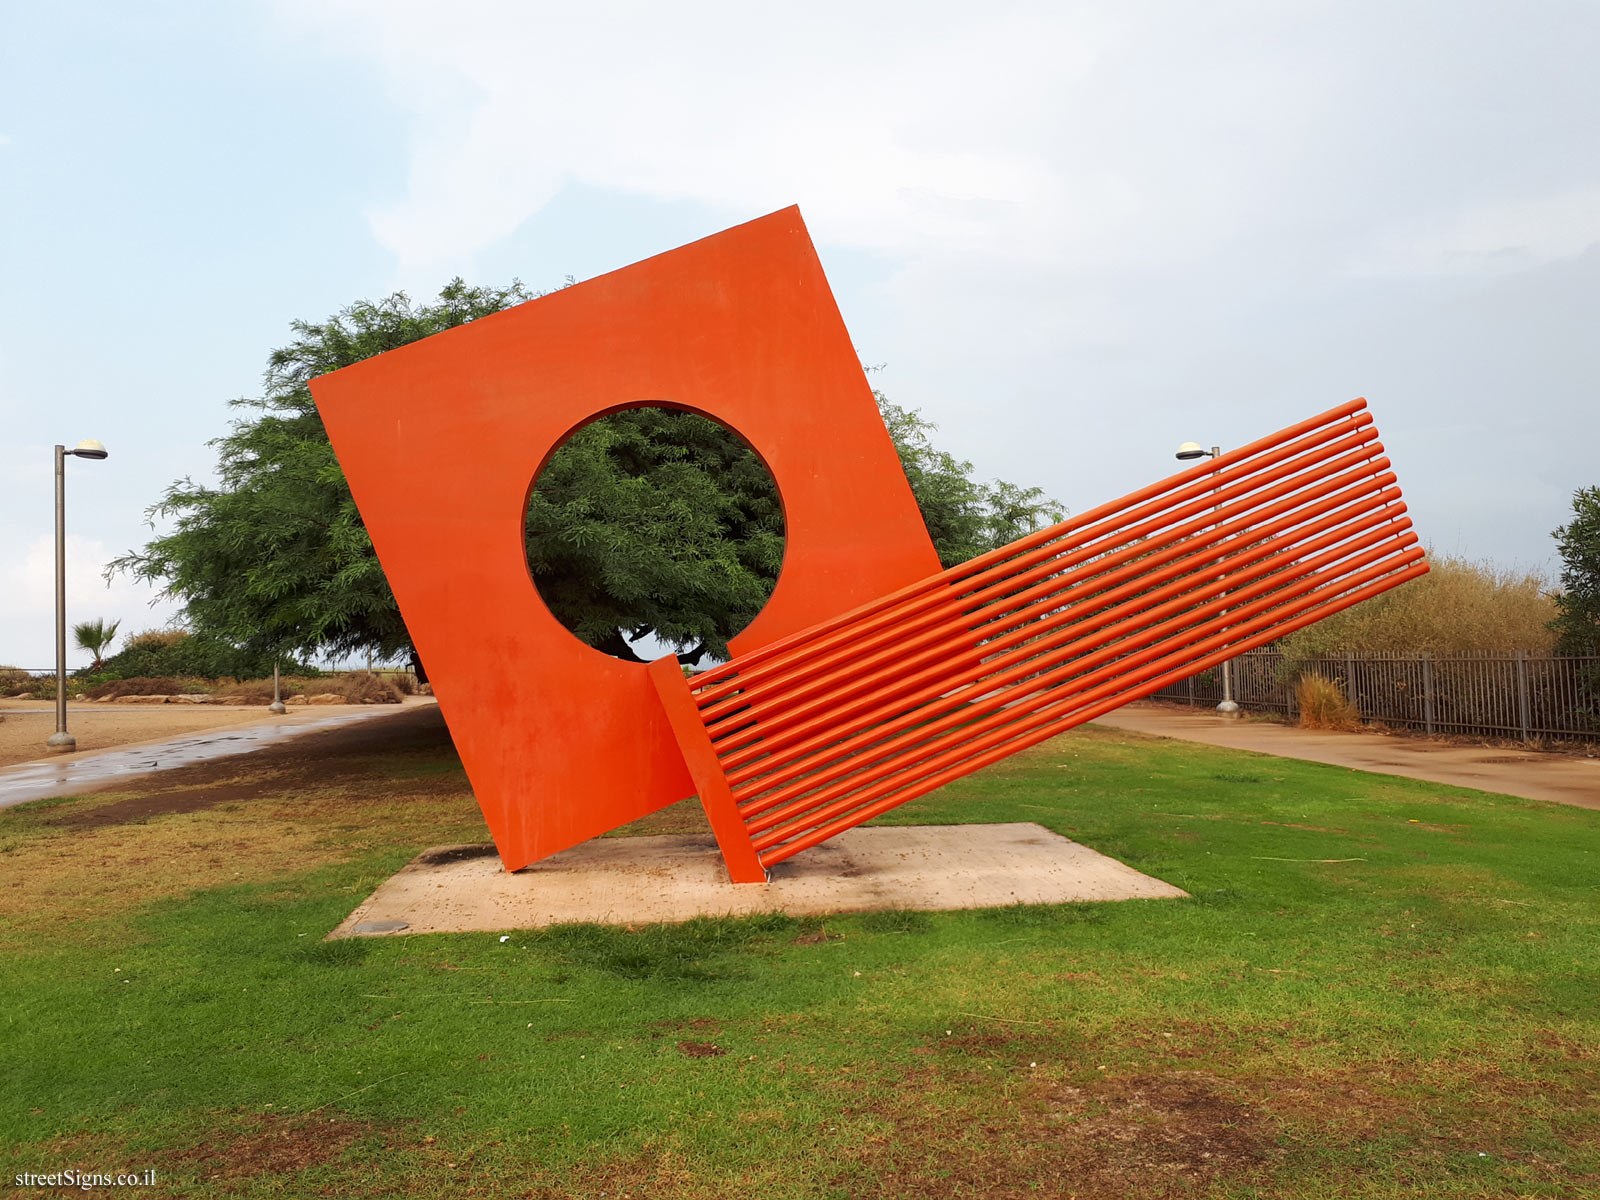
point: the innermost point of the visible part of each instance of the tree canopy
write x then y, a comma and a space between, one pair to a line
645, 521
1577, 620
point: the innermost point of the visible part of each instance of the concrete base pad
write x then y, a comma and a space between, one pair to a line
637, 880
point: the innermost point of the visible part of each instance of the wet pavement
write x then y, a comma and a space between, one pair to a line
73, 773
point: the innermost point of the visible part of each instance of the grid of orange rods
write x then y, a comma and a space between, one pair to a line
832, 726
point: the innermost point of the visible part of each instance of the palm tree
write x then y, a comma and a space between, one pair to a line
94, 636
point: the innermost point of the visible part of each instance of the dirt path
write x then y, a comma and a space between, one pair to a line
1561, 778
26, 724
212, 754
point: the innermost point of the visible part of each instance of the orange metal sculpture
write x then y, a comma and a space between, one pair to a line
871, 677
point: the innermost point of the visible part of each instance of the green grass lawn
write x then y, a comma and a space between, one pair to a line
1379, 988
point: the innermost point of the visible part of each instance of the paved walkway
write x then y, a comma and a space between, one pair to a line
1561, 778
69, 774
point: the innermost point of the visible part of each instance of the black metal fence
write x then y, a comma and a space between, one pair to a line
1513, 694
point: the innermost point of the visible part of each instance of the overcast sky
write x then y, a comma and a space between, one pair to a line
1077, 234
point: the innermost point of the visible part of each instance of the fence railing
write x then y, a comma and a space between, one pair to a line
1512, 694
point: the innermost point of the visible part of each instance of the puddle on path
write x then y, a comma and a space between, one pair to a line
70, 774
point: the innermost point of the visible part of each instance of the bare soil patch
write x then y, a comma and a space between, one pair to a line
271, 1146
701, 1049
1171, 1134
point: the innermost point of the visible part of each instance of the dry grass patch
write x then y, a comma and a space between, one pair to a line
80, 876
238, 820
1323, 704
999, 1137
263, 1145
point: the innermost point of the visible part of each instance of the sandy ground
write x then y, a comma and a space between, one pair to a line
26, 724
1561, 778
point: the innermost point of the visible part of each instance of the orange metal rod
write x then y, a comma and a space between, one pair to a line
1118, 657
900, 668
941, 689
1031, 640
1050, 533
776, 853
855, 654
851, 648
1310, 453
851, 693
1197, 481
1050, 713
1160, 641
1122, 661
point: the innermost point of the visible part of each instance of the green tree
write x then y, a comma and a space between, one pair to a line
95, 636
646, 521
275, 559
1577, 620
965, 517
655, 522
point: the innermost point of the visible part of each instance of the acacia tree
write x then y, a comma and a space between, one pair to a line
1577, 621
644, 522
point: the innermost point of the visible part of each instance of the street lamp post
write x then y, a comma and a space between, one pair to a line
61, 739
1186, 452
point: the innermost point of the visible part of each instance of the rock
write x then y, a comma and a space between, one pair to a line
295, 700
193, 698
325, 698
143, 699
102, 699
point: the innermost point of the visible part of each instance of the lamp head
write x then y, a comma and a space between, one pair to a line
1192, 450
89, 448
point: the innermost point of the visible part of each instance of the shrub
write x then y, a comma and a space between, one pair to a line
1459, 606
404, 682
154, 639
1322, 704
362, 687
252, 691
13, 680
174, 653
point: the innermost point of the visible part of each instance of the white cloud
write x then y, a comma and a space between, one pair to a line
1199, 214
1096, 136
1495, 238
896, 129
27, 600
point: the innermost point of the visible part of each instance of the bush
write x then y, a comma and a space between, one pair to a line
405, 683
13, 680
172, 653
154, 639
39, 687
362, 687
1459, 606
1322, 704
252, 691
